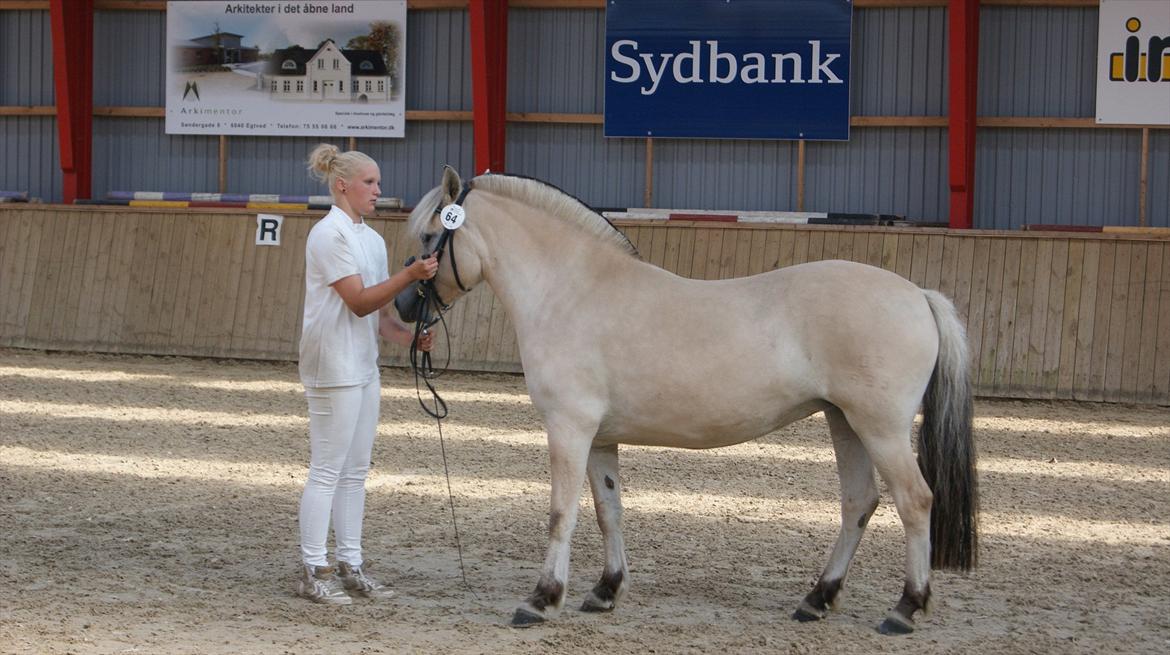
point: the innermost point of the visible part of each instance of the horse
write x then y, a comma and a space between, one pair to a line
618, 351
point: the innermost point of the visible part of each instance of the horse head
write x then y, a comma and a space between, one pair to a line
435, 221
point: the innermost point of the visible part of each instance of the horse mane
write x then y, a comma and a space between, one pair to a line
539, 195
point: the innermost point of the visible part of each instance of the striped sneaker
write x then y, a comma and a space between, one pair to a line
318, 584
357, 583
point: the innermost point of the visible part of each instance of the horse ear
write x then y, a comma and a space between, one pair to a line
451, 184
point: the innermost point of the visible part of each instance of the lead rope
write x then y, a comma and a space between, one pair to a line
421, 365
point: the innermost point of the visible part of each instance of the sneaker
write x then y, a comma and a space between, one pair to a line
318, 584
356, 582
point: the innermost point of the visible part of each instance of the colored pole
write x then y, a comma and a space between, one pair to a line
72, 29
963, 26
489, 81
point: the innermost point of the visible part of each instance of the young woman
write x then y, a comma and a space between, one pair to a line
347, 289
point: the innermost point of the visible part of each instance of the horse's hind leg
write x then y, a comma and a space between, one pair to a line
602, 471
888, 444
859, 498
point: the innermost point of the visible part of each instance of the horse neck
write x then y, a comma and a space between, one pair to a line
530, 256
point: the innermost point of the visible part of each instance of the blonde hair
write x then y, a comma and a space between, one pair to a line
327, 163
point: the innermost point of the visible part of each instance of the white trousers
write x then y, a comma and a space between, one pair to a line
342, 424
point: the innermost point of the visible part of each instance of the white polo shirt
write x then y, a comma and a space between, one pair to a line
338, 348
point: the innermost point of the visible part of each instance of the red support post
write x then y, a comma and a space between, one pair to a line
72, 29
489, 81
963, 26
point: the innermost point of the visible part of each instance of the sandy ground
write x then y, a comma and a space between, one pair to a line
149, 506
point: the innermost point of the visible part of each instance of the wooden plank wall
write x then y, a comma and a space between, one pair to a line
1081, 316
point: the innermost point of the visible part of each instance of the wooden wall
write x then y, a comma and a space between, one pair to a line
1084, 316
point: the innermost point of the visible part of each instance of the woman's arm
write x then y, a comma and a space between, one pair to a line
363, 300
394, 331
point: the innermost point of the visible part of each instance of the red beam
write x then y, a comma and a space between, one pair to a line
963, 25
489, 81
72, 29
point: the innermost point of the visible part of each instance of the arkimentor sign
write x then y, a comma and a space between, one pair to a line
735, 69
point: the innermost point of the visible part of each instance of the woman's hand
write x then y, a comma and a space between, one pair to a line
424, 269
425, 341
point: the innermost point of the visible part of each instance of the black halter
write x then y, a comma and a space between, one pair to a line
447, 238
420, 361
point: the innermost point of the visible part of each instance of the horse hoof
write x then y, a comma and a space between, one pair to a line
896, 625
594, 604
525, 619
806, 613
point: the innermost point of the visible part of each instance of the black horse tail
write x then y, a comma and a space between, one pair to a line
946, 448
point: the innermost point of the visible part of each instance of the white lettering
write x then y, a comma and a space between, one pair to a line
713, 69
655, 75
792, 57
635, 69
819, 66
693, 56
753, 73
721, 67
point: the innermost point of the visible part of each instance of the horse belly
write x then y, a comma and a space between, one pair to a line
687, 425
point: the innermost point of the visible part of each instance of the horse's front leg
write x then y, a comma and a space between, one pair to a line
568, 448
607, 500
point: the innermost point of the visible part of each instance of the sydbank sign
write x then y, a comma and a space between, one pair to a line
734, 69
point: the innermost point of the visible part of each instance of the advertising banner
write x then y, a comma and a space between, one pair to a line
303, 68
748, 69
1133, 62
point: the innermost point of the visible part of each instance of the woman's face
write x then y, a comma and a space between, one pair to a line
363, 189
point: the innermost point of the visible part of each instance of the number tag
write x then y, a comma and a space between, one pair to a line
452, 217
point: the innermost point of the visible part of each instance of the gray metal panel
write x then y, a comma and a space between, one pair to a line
1034, 61
30, 162
135, 154
898, 171
1067, 177
709, 174
438, 60
899, 62
1158, 181
26, 58
601, 172
1037, 61
556, 61
414, 165
129, 58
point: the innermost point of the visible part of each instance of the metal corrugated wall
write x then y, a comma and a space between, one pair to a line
30, 160
556, 61
1034, 61
1041, 61
898, 69
899, 62
1158, 201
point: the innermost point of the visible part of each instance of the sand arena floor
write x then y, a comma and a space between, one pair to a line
149, 506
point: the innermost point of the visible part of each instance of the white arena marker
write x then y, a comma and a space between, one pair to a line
268, 229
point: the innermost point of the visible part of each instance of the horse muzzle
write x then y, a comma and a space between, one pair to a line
409, 303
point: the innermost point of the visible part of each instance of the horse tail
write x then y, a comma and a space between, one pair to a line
946, 449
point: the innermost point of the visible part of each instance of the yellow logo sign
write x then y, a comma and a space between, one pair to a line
1133, 65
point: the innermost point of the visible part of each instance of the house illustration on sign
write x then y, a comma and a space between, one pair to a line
217, 49
327, 73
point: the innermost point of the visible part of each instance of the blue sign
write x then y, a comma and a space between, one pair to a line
728, 69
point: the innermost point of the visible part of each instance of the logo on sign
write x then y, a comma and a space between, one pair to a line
1133, 65
704, 63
